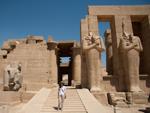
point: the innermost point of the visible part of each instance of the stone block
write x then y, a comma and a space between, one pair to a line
27, 96
3, 52
117, 99
139, 98
35, 39
6, 46
29, 41
101, 97
50, 39
9, 97
4, 109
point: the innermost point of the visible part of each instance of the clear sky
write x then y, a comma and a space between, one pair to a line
57, 18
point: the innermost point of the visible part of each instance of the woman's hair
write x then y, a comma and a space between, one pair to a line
61, 84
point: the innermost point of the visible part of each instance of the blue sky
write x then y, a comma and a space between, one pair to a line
57, 18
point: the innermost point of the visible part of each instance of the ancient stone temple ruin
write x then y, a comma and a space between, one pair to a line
126, 43
127, 66
42, 61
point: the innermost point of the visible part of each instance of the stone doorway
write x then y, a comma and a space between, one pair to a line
65, 62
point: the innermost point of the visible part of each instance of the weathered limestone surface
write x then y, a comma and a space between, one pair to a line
3, 52
139, 98
13, 77
131, 47
77, 65
92, 57
129, 15
128, 74
119, 10
96, 107
34, 39
53, 61
117, 99
84, 31
92, 47
9, 98
93, 24
35, 60
116, 35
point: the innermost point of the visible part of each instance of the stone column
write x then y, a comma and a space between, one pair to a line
77, 66
93, 68
52, 46
83, 32
116, 27
94, 58
84, 27
93, 24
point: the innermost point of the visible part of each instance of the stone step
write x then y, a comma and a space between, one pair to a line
72, 103
84, 102
35, 104
91, 104
66, 108
66, 105
69, 111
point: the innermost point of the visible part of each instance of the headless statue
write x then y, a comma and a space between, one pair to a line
12, 78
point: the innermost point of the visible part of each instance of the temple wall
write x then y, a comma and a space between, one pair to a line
116, 15
35, 60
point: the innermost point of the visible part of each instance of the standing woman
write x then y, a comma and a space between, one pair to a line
61, 95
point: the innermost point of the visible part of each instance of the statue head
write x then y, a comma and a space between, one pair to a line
90, 33
130, 37
125, 35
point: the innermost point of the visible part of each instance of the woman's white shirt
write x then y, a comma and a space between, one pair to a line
62, 91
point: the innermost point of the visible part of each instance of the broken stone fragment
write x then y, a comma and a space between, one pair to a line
3, 52
34, 39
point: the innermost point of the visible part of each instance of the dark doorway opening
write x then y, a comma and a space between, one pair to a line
139, 25
65, 62
137, 32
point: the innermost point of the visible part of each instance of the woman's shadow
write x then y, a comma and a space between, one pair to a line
56, 108
147, 110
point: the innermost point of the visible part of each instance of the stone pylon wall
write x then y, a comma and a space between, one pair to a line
35, 60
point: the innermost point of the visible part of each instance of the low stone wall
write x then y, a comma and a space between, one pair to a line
11, 97
110, 83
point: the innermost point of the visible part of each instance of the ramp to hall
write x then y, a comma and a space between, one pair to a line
91, 104
77, 101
